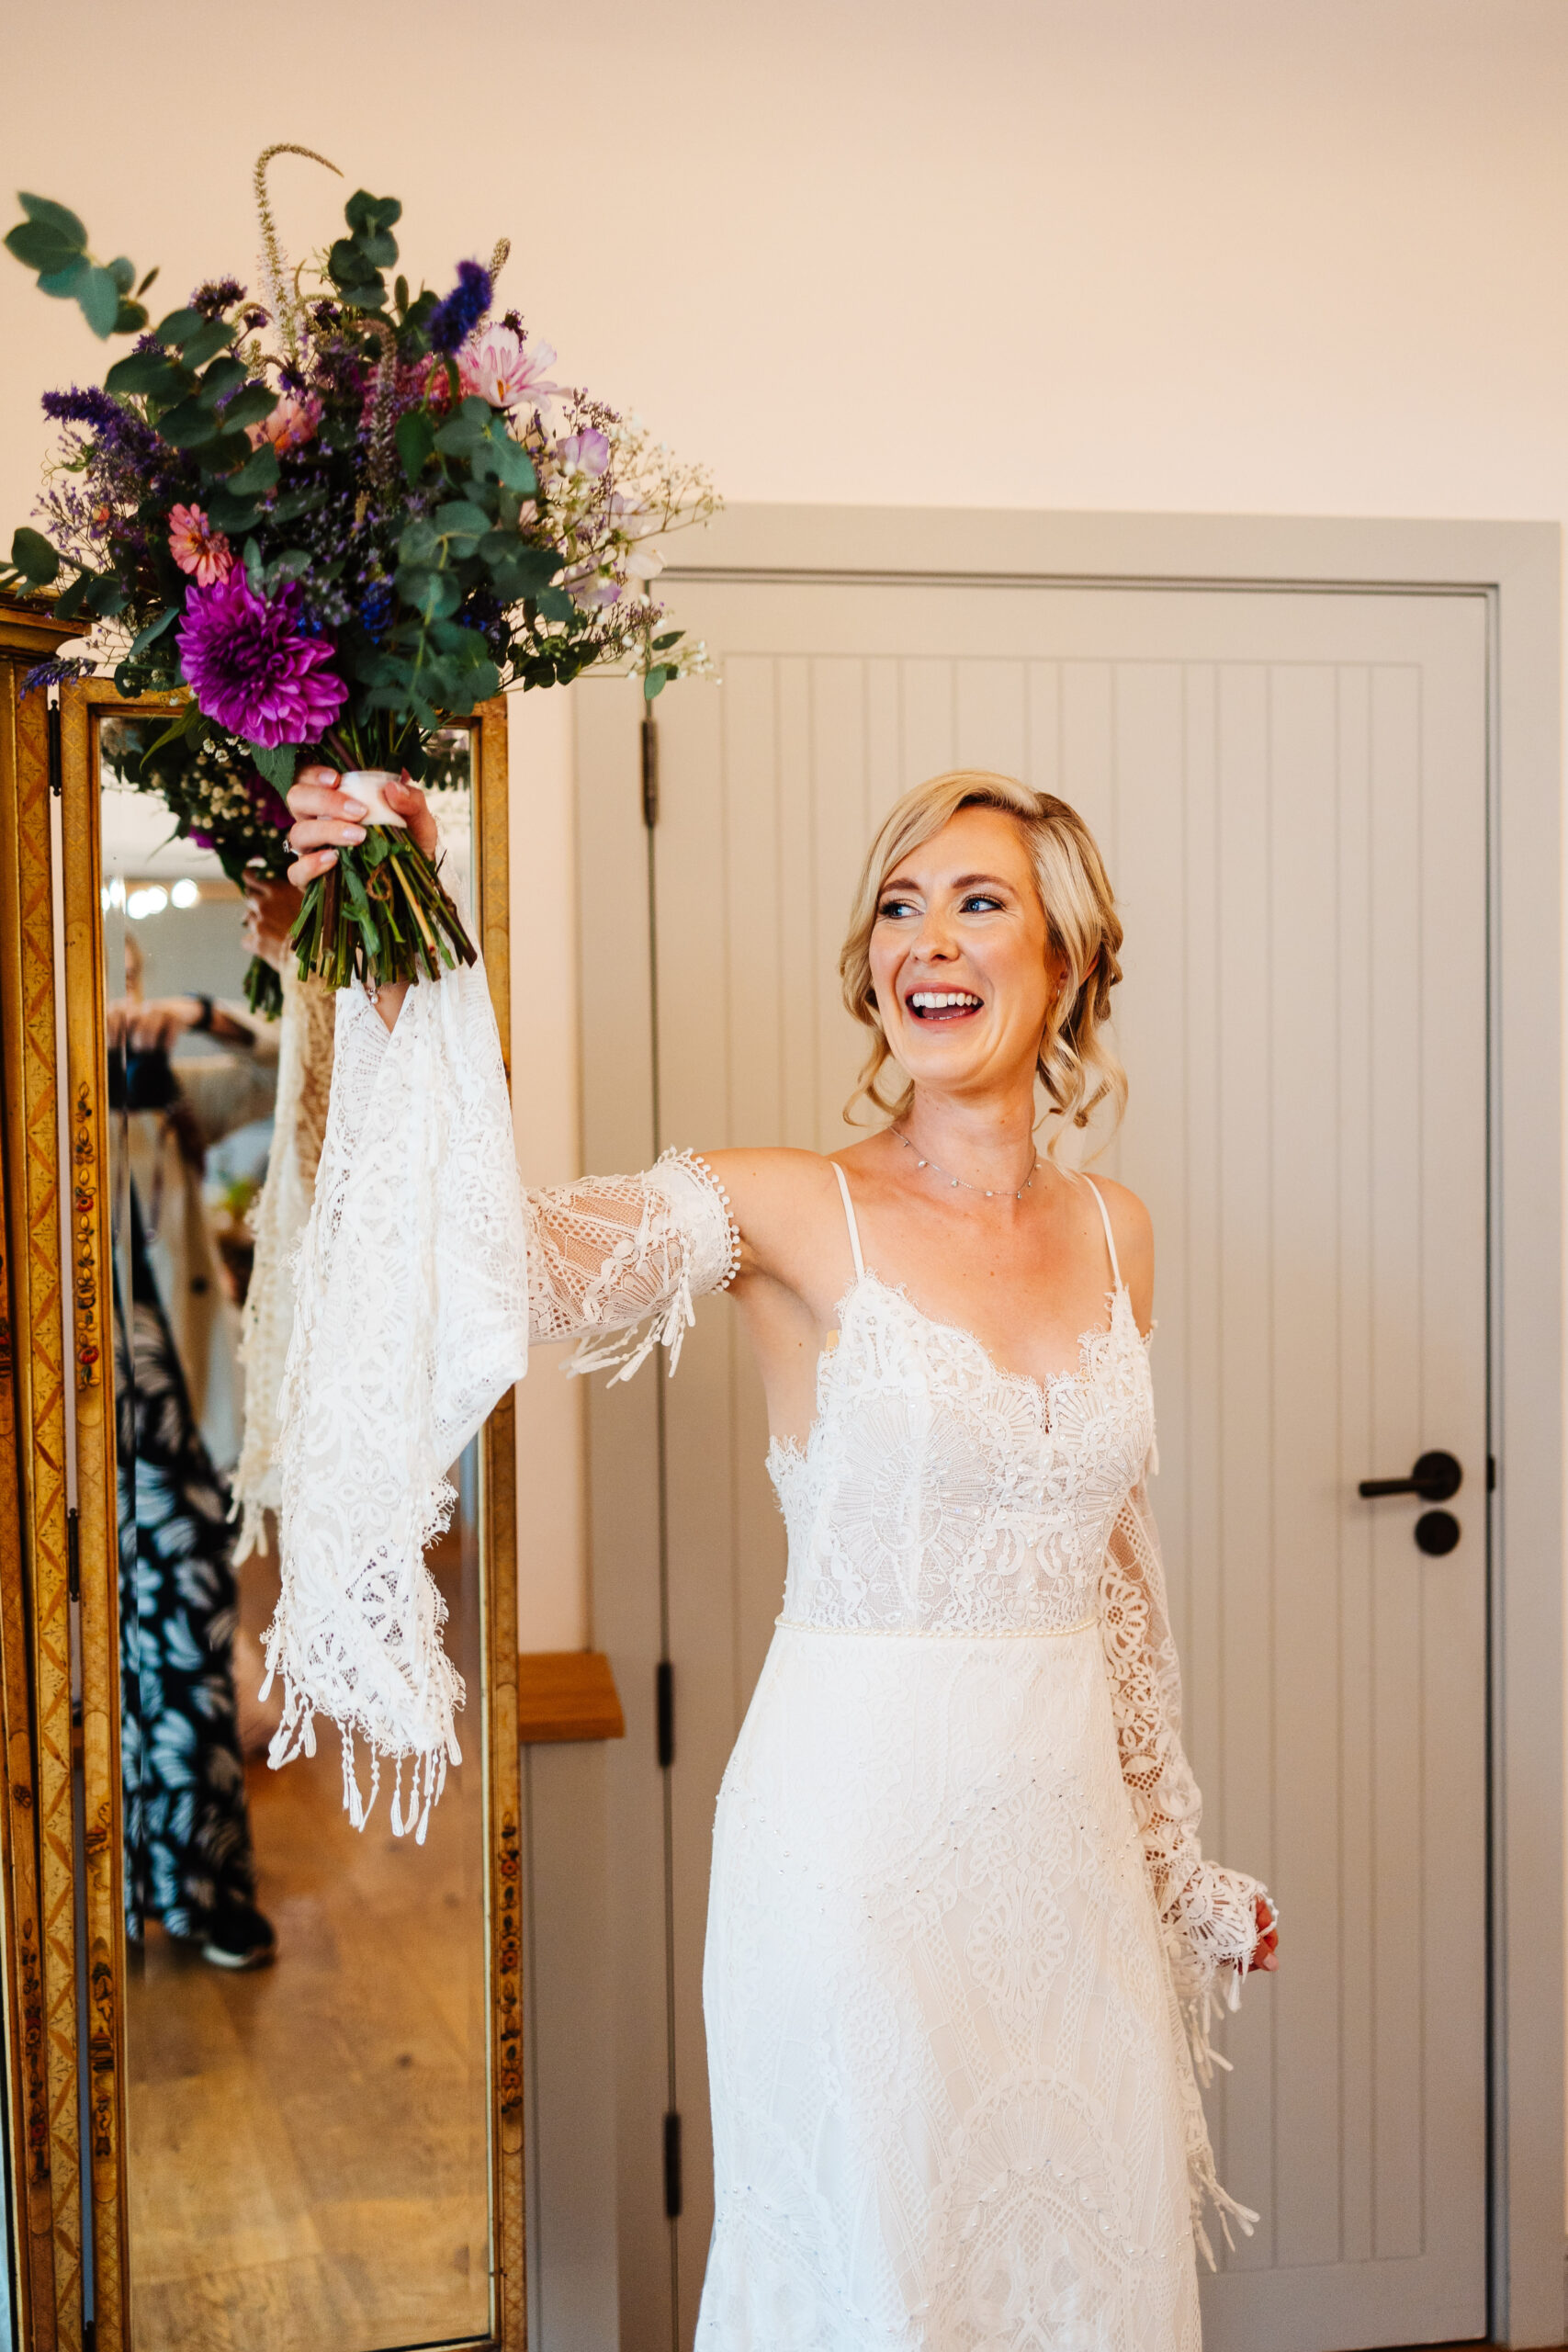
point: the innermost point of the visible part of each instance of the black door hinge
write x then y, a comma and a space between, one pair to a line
673, 2166
665, 1711
74, 1555
56, 756
1491, 1474
649, 771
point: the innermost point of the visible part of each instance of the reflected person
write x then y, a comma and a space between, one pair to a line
190, 1862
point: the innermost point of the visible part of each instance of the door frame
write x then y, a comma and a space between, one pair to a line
1516, 568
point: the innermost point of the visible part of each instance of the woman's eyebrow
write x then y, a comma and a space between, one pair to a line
960, 882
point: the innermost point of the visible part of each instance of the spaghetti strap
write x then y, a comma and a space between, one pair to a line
850, 1220
1109, 1237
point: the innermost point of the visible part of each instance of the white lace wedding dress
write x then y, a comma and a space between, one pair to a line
959, 1912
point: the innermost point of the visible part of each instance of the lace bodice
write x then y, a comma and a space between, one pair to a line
939, 1494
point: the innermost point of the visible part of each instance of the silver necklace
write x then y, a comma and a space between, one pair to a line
957, 1182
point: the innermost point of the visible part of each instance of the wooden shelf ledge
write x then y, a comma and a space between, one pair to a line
567, 1694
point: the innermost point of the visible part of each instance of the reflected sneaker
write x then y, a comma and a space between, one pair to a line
240, 1938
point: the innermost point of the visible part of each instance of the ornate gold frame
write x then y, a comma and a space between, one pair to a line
39, 1546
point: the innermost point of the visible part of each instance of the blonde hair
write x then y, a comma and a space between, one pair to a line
1077, 1063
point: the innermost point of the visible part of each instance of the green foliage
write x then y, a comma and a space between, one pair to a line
33, 559
52, 240
356, 262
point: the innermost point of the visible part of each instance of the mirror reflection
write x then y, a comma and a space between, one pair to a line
306, 2012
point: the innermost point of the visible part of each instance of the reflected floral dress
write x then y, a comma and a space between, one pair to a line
188, 1859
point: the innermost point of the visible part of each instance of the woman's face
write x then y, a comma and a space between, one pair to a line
961, 959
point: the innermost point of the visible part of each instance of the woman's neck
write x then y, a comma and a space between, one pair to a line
988, 1144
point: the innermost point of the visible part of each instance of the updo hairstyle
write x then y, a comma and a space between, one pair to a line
1078, 1065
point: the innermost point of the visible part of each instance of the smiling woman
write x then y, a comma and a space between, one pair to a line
958, 1905
1046, 858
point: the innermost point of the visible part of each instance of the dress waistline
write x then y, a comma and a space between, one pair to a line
936, 1632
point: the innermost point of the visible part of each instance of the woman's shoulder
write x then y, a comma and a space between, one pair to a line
784, 1202
1133, 1228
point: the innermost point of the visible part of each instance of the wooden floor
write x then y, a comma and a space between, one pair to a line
307, 2145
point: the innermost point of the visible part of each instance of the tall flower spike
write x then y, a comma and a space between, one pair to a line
382, 446
497, 259
281, 292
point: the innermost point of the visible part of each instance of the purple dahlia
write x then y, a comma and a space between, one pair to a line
252, 669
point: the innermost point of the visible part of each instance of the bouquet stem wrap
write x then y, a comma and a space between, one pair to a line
379, 912
411, 1319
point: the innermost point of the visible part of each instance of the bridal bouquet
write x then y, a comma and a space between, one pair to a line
331, 522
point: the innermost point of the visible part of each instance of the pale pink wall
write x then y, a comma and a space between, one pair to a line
1227, 254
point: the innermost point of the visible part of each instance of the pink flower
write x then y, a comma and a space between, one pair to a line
503, 369
587, 453
290, 425
196, 548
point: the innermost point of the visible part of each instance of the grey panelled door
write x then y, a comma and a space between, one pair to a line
1289, 788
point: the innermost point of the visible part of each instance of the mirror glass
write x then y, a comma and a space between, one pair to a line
306, 2002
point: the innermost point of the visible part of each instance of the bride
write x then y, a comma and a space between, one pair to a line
959, 1914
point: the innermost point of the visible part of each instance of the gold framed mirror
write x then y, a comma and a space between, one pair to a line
328, 2147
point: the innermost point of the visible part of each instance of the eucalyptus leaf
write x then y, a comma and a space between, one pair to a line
147, 281
123, 272
61, 283
106, 596
367, 214
188, 425
179, 326
98, 297
555, 605
223, 454
32, 556
39, 246
421, 542
276, 761
461, 519
249, 406
416, 442
227, 513
59, 217
655, 682
131, 317
152, 374
432, 595
223, 377
211, 337
259, 474
154, 630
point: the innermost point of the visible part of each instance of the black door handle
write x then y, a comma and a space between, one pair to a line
1435, 1477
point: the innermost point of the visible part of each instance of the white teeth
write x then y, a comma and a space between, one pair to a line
941, 1000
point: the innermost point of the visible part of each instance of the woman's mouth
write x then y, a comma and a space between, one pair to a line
943, 1004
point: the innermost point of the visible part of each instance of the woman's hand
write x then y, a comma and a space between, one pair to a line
325, 819
270, 909
152, 1025
1266, 1950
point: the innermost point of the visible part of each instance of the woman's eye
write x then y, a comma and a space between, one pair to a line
981, 902
891, 908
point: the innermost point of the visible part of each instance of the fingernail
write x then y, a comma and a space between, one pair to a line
354, 807
353, 832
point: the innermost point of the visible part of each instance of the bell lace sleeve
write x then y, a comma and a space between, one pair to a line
422, 1270
614, 1253
1208, 1912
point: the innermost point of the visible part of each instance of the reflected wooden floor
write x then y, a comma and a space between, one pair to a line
307, 2145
